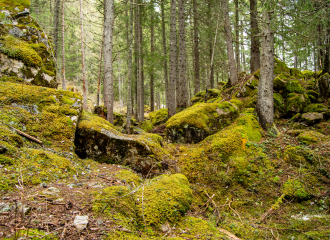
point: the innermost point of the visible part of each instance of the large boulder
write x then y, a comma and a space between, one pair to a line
197, 122
25, 50
98, 139
295, 103
158, 117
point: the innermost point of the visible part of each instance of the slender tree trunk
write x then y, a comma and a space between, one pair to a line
173, 62
129, 66
237, 37
295, 64
229, 43
136, 61
265, 101
83, 59
165, 54
140, 84
196, 49
51, 13
63, 49
255, 43
152, 94
243, 49
107, 52
211, 77
158, 100
100, 70
182, 58
56, 26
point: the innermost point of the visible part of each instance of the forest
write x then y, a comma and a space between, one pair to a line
164, 119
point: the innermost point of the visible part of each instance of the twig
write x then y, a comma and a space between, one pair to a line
229, 234
210, 198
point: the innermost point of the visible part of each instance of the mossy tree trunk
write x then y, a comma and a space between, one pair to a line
173, 60
107, 52
265, 100
255, 43
229, 43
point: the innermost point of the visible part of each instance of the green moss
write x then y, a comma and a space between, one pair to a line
12, 4
33, 234
6, 160
298, 156
280, 67
20, 50
293, 86
310, 137
317, 107
296, 72
129, 177
165, 198
296, 102
237, 102
158, 117
278, 100
11, 79
279, 83
146, 126
295, 188
308, 74
257, 74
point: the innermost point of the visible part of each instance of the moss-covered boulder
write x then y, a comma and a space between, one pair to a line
25, 49
197, 122
279, 105
296, 102
312, 118
323, 84
163, 199
98, 139
210, 95
310, 137
158, 117
317, 107
118, 119
298, 156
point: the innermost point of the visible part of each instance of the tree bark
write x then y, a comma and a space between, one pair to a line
100, 70
140, 85
107, 53
83, 59
173, 60
165, 54
211, 77
136, 59
265, 101
196, 49
238, 64
129, 66
255, 43
152, 94
63, 49
229, 43
183, 99
56, 26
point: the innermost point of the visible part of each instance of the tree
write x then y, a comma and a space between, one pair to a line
196, 49
255, 43
63, 49
165, 54
183, 95
265, 100
152, 94
56, 26
107, 53
173, 62
229, 44
129, 67
83, 59
237, 37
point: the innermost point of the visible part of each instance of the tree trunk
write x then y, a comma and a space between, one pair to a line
238, 64
165, 54
129, 66
140, 84
56, 26
100, 70
158, 100
265, 101
173, 62
243, 50
51, 12
83, 59
136, 59
107, 53
152, 94
183, 103
196, 49
229, 43
255, 43
63, 49
212, 56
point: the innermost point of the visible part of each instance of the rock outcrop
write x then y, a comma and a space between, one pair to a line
26, 53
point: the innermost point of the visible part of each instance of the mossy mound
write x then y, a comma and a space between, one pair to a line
310, 137
165, 198
129, 177
98, 139
25, 51
158, 117
199, 121
295, 103
317, 107
44, 113
298, 156
210, 95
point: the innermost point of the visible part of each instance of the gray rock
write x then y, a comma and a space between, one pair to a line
5, 207
312, 118
80, 222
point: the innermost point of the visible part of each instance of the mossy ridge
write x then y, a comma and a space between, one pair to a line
310, 137
12, 4
158, 117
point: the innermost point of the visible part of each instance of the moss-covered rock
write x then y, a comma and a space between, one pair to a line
298, 156
293, 86
310, 137
308, 74
279, 105
317, 107
295, 103
165, 198
98, 139
313, 96
294, 188
129, 177
158, 117
118, 119
199, 121
312, 118
205, 96
25, 50
323, 84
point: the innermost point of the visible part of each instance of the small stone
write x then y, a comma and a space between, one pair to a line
312, 118
4, 207
80, 222
44, 185
51, 191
